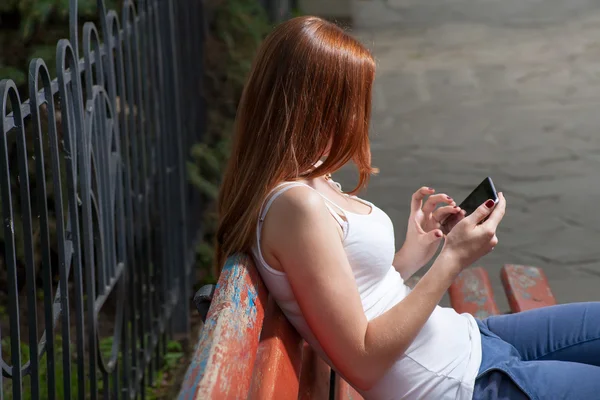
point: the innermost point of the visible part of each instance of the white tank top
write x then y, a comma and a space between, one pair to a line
443, 360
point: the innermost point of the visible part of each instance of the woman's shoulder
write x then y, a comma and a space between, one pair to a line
298, 201
292, 220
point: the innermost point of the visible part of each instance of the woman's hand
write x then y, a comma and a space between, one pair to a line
475, 236
450, 222
424, 232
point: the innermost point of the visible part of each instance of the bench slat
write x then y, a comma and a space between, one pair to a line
343, 391
314, 376
224, 358
472, 293
279, 359
526, 287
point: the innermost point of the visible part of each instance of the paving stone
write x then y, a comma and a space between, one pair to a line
460, 96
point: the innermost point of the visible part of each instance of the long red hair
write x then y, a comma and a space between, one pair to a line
308, 93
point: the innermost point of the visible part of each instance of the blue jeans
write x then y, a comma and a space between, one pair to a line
548, 353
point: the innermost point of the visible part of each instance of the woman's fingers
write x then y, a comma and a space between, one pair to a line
418, 196
442, 213
481, 213
436, 199
450, 222
494, 242
497, 214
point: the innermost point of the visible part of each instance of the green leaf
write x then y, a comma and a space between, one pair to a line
45, 51
174, 346
13, 73
27, 25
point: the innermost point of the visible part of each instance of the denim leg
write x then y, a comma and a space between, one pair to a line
545, 380
568, 332
497, 385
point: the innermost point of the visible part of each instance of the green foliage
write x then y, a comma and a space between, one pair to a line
163, 382
34, 182
210, 161
31, 28
241, 26
35, 14
205, 253
296, 12
164, 376
174, 354
43, 371
238, 28
17, 75
106, 345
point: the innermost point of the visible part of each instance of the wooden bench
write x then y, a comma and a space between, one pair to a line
526, 288
248, 350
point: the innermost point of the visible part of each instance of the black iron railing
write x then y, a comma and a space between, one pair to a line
98, 218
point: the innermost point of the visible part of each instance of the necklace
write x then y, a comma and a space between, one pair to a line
333, 183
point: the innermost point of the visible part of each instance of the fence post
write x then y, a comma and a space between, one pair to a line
1, 374
180, 320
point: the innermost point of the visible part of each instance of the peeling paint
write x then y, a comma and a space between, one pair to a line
472, 293
222, 364
526, 287
228, 348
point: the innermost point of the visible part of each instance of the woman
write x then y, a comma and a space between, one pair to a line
328, 258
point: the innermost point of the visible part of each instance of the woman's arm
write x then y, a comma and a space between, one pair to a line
403, 265
300, 233
300, 237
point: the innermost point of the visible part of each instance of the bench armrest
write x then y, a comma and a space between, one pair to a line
202, 299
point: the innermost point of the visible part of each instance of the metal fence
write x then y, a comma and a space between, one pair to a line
99, 220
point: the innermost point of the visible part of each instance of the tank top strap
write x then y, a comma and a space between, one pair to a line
274, 194
280, 189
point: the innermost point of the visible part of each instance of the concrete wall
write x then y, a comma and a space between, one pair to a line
422, 13
374, 13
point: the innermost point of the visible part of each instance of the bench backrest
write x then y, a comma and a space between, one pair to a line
248, 349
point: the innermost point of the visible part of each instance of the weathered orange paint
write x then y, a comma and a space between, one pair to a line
222, 364
279, 359
248, 350
526, 287
472, 293
343, 391
314, 376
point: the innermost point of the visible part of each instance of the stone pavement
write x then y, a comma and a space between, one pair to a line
502, 94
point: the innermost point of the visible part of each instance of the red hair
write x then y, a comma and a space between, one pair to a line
308, 92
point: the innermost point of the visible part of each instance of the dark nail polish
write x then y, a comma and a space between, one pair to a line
430, 188
439, 234
449, 198
490, 203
